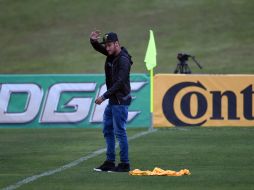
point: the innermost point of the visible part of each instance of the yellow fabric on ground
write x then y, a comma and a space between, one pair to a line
159, 172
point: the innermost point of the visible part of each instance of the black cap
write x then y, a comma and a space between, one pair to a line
109, 37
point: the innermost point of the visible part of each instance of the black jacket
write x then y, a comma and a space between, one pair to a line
117, 71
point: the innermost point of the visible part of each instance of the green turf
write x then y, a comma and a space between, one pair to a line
52, 36
218, 158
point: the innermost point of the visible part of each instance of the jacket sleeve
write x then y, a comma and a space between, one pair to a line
123, 74
98, 47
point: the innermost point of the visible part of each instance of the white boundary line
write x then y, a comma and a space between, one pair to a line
71, 164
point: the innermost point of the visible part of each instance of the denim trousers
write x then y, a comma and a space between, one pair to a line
114, 120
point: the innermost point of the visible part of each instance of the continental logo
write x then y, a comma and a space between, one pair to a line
182, 100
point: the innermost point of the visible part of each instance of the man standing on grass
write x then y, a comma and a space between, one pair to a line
117, 71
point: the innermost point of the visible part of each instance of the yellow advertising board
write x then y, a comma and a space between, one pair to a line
203, 100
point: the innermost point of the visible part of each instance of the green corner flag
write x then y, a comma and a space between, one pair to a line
150, 57
150, 60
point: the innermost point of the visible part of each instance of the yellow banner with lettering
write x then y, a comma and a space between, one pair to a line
203, 100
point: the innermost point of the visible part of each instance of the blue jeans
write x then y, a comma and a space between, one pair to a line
114, 120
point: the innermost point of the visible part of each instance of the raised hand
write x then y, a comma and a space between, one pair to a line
95, 35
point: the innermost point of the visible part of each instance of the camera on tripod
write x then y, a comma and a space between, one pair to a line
183, 67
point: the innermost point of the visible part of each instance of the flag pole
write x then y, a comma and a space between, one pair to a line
151, 98
151, 90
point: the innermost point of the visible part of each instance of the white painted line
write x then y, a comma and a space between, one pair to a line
182, 128
71, 164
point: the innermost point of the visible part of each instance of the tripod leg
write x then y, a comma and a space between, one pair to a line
177, 69
181, 69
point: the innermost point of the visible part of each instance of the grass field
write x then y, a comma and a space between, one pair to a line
52, 36
218, 158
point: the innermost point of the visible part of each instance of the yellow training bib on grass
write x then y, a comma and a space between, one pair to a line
159, 172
